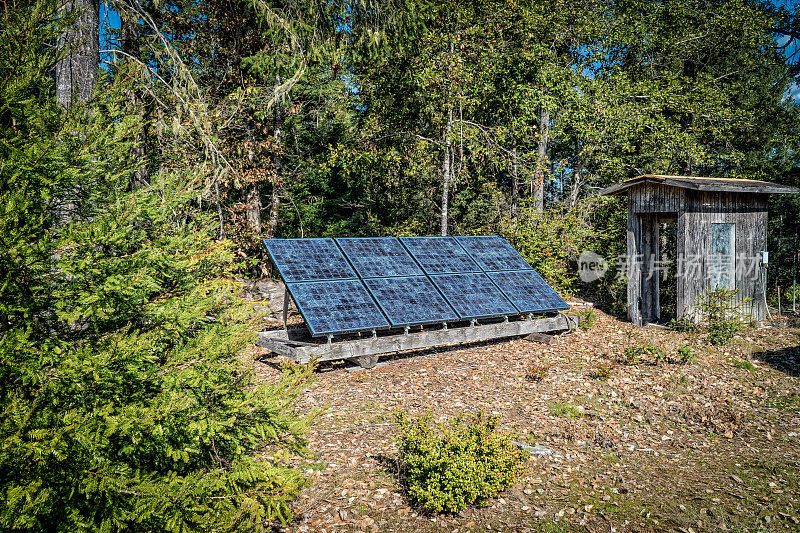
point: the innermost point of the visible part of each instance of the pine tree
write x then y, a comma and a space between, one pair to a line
124, 401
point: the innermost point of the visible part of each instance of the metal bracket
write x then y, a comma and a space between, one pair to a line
473, 322
406, 329
444, 326
285, 309
330, 339
374, 334
505, 319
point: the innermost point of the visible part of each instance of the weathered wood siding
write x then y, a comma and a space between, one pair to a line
656, 198
695, 212
748, 213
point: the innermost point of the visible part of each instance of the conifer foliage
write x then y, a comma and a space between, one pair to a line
124, 403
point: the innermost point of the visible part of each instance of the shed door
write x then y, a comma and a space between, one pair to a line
722, 264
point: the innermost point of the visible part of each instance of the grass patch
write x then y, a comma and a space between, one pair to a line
743, 364
789, 402
566, 410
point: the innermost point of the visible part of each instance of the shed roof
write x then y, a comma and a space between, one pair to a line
702, 184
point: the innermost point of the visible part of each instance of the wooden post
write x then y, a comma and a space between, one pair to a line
634, 270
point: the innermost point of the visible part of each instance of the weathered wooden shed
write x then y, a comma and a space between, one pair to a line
721, 234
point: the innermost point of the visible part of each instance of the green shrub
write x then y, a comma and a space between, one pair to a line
448, 468
636, 354
685, 354
587, 318
722, 315
684, 325
550, 241
125, 404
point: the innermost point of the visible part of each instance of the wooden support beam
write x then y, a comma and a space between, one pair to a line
278, 342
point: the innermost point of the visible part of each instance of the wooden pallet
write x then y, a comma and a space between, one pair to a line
365, 351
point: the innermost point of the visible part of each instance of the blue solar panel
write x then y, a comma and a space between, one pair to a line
339, 306
308, 259
379, 257
473, 295
439, 255
528, 291
493, 252
410, 300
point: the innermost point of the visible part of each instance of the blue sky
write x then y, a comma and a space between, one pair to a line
109, 19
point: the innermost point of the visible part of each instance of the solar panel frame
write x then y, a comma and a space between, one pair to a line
431, 253
291, 268
528, 291
492, 253
451, 286
393, 307
389, 257
314, 297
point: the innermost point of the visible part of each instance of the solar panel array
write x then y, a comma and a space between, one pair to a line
347, 285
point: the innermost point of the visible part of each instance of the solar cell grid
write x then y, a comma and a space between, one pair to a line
473, 295
439, 255
410, 300
492, 253
410, 281
379, 257
308, 259
339, 306
528, 291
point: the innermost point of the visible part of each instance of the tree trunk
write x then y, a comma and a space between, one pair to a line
541, 160
254, 209
514, 185
79, 46
577, 176
447, 158
275, 200
446, 172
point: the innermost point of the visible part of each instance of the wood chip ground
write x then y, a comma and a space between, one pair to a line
711, 445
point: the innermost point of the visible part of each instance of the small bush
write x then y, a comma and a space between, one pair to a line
631, 355
722, 314
602, 371
448, 468
685, 354
722, 332
684, 325
636, 354
587, 318
536, 372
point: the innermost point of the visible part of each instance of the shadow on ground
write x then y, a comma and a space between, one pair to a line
786, 360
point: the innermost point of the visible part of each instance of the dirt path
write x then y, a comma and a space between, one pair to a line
658, 446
